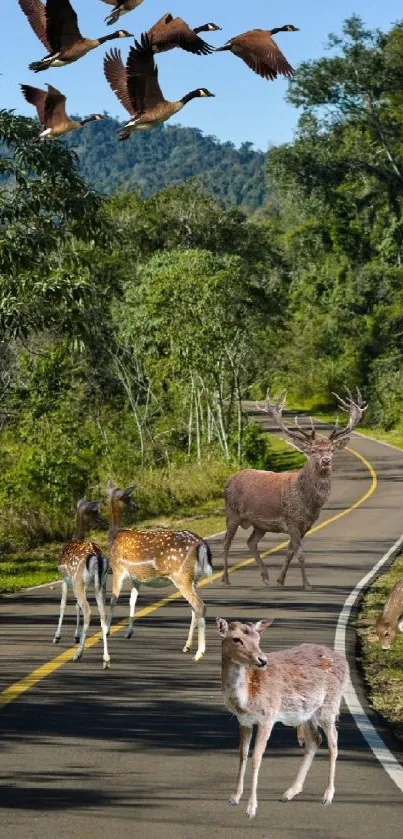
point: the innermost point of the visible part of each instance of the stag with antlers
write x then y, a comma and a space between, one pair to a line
287, 502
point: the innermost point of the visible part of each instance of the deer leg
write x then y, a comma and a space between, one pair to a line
232, 528
132, 606
262, 736
77, 632
252, 544
331, 734
245, 736
82, 600
311, 745
63, 601
295, 550
119, 576
189, 643
99, 596
189, 592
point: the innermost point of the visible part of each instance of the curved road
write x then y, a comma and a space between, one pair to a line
148, 749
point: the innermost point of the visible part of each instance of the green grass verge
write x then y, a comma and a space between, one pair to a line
383, 669
25, 568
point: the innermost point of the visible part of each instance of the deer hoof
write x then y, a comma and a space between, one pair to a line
198, 656
225, 580
77, 657
233, 801
56, 639
280, 583
76, 639
186, 649
128, 634
107, 665
265, 581
307, 587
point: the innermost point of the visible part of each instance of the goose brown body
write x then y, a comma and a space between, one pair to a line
170, 32
137, 88
56, 26
260, 52
51, 109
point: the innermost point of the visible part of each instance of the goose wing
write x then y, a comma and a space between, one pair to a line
36, 14
260, 52
177, 32
115, 74
142, 75
61, 24
55, 107
37, 97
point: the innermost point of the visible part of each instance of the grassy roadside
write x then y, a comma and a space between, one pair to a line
22, 569
383, 669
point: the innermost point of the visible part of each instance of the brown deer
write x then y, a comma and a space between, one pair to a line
157, 558
81, 563
388, 625
299, 686
286, 502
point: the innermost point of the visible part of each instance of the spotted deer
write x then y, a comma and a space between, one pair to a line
81, 564
299, 686
287, 502
156, 558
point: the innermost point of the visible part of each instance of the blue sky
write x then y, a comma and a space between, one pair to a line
246, 107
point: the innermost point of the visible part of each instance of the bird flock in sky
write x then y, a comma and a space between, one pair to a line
135, 83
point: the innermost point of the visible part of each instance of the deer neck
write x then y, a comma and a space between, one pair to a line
80, 530
314, 484
115, 519
241, 687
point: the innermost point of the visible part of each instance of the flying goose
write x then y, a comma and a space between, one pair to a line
170, 32
137, 88
258, 50
56, 27
120, 7
50, 105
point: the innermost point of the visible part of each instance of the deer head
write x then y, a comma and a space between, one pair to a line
319, 449
88, 514
241, 642
120, 500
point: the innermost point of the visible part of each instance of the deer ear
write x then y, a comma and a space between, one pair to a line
222, 626
81, 502
110, 487
340, 444
260, 626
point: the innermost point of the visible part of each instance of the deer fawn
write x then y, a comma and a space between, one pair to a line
299, 686
157, 558
286, 502
81, 563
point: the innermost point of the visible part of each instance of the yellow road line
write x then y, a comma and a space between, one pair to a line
31, 679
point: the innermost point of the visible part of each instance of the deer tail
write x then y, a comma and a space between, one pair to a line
204, 559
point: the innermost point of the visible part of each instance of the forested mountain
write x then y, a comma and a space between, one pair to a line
166, 156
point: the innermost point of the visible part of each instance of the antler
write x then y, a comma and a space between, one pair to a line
276, 410
355, 409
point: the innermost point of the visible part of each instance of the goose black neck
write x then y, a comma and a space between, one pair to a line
192, 95
278, 29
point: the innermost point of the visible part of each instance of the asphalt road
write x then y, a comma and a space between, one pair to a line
147, 749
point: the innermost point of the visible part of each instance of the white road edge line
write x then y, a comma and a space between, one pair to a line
390, 764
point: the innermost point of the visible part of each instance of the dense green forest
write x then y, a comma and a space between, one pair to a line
168, 156
133, 326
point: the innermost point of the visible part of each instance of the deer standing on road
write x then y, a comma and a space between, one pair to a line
82, 563
299, 686
157, 558
287, 502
